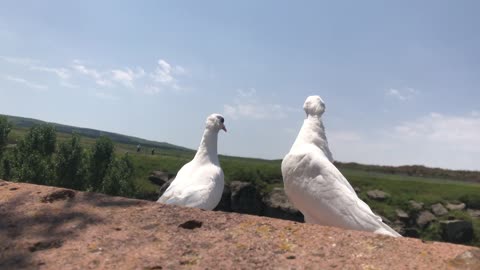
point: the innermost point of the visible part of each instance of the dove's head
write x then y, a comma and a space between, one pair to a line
314, 106
216, 122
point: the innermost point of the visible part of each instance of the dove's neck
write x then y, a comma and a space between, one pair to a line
313, 132
207, 151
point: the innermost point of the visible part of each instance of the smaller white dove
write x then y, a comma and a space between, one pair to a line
200, 182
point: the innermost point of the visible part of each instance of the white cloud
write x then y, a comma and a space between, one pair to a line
98, 77
439, 140
61, 73
165, 76
446, 131
25, 82
127, 76
402, 94
248, 105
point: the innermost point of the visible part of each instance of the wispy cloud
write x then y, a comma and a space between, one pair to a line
165, 76
247, 105
61, 73
127, 76
402, 94
449, 141
98, 77
25, 82
447, 130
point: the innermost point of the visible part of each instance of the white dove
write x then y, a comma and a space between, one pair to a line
317, 188
200, 182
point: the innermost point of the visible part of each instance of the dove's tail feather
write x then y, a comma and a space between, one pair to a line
386, 230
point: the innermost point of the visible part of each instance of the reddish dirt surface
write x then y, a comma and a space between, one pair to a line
50, 228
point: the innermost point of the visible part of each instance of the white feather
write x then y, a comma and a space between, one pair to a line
317, 188
200, 182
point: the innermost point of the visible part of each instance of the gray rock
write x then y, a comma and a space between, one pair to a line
474, 213
425, 218
158, 177
377, 195
469, 259
402, 215
439, 210
457, 231
277, 205
456, 206
225, 203
357, 189
245, 198
411, 232
415, 205
164, 187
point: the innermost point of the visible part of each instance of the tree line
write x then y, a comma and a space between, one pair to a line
37, 158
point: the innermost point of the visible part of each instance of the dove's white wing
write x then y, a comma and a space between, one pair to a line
316, 187
201, 189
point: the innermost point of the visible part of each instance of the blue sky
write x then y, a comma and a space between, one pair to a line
400, 78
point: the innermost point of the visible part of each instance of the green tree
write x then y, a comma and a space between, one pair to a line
6, 164
41, 139
32, 157
118, 180
70, 164
5, 128
100, 159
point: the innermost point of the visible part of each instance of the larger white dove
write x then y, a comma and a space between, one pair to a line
316, 187
200, 182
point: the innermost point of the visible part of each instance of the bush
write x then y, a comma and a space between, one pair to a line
70, 164
5, 128
100, 159
118, 180
32, 158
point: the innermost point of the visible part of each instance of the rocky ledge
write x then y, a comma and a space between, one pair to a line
50, 228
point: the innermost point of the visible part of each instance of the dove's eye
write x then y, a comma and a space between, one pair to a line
222, 120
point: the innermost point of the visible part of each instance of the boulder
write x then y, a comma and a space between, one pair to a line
225, 203
164, 187
455, 206
158, 177
245, 198
402, 215
474, 213
415, 205
411, 232
439, 210
277, 205
456, 231
425, 218
377, 195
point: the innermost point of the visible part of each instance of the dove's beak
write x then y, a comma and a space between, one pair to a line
224, 128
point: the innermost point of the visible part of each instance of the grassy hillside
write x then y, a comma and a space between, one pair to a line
25, 123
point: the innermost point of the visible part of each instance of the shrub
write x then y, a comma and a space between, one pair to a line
70, 164
32, 157
101, 157
118, 180
5, 128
